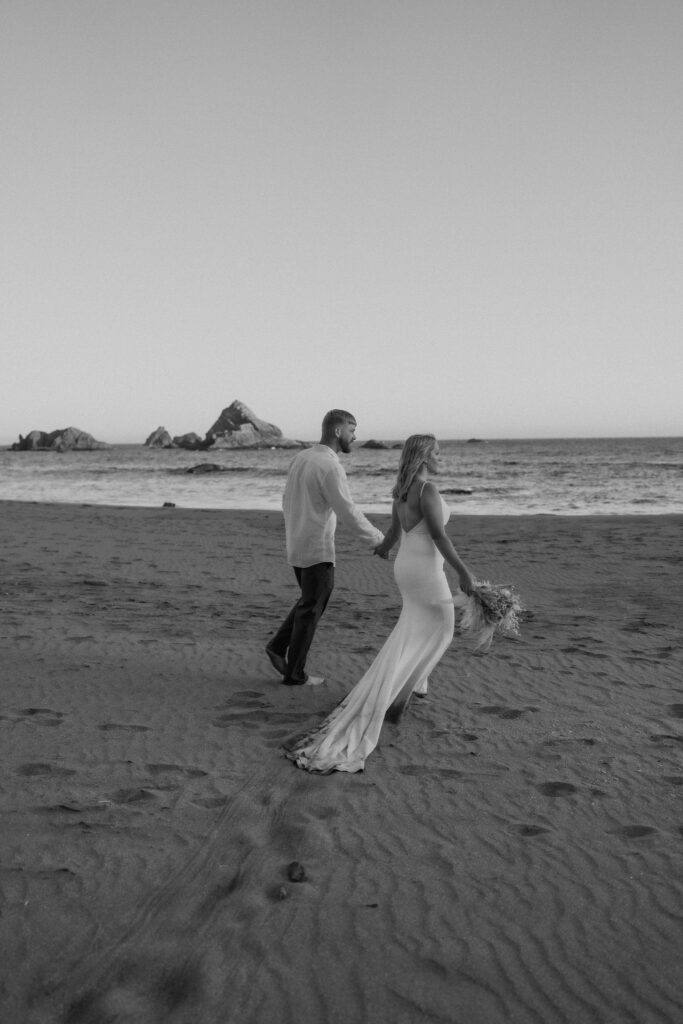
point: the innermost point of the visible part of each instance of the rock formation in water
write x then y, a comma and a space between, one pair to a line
69, 439
206, 467
238, 427
381, 445
191, 442
159, 438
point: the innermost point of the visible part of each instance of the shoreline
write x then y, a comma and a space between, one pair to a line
542, 478
375, 515
520, 826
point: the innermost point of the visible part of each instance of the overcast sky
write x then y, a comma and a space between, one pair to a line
462, 216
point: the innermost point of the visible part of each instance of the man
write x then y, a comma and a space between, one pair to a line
316, 495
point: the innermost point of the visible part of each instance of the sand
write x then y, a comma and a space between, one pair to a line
512, 852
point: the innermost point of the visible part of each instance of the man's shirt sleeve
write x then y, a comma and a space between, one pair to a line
335, 487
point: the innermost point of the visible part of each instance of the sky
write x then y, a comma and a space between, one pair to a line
453, 216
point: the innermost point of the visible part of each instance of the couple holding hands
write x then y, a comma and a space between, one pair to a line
316, 496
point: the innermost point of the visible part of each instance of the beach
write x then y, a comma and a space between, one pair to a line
510, 854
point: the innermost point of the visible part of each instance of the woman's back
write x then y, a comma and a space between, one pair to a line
410, 511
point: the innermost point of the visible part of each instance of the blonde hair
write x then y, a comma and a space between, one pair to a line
416, 451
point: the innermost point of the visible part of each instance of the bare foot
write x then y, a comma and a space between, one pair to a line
277, 661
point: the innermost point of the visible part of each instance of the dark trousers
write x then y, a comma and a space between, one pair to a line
295, 636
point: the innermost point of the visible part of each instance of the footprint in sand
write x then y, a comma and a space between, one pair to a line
554, 789
221, 891
45, 716
501, 711
247, 719
633, 831
131, 796
151, 982
110, 726
35, 768
665, 738
211, 803
528, 831
69, 809
246, 708
246, 699
277, 734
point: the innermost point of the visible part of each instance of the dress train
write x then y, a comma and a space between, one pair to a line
424, 630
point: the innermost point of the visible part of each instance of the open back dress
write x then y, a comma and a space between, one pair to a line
418, 641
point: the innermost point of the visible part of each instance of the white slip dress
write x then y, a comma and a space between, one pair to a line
414, 647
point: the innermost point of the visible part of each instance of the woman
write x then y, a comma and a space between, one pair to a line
421, 635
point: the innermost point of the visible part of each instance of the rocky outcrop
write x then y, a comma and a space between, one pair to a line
381, 445
238, 427
191, 442
159, 438
69, 439
206, 467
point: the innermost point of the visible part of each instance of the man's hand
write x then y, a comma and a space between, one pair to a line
381, 552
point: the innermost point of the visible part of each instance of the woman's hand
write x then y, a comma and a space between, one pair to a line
466, 583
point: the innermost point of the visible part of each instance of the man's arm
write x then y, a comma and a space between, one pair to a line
336, 490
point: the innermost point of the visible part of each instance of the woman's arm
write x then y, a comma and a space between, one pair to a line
392, 534
430, 506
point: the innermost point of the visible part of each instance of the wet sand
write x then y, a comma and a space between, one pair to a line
510, 854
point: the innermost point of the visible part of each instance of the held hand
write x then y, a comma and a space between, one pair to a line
379, 550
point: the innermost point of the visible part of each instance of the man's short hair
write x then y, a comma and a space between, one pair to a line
336, 418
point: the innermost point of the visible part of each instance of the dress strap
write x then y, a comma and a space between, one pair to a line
423, 487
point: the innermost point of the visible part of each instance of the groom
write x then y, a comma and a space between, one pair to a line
316, 494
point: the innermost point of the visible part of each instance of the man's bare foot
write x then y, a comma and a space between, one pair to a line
308, 681
277, 661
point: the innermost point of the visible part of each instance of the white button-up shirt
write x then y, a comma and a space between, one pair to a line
316, 494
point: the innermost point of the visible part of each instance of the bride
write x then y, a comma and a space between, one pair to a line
424, 629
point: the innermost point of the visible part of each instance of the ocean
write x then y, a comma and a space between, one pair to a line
516, 477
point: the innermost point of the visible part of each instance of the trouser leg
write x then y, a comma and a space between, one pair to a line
317, 584
280, 642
